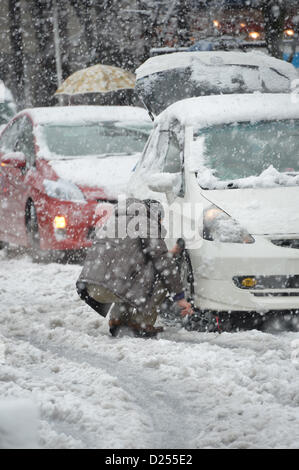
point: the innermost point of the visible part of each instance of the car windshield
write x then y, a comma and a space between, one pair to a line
95, 139
245, 155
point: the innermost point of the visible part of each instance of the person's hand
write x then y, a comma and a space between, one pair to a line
178, 247
186, 308
176, 250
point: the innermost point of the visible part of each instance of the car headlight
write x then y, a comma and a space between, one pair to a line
219, 226
63, 190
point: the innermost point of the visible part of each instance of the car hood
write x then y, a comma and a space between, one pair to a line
272, 211
110, 174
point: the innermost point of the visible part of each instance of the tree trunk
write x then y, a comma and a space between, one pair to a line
44, 78
183, 27
106, 13
64, 37
84, 11
150, 25
274, 17
16, 40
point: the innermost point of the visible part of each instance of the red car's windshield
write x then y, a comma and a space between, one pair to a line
77, 140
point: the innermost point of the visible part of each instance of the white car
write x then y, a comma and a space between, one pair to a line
166, 79
235, 158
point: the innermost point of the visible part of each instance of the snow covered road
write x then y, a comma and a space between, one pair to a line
184, 390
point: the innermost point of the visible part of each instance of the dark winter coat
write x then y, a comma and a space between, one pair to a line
129, 267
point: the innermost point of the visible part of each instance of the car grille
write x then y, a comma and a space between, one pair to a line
269, 282
275, 294
287, 243
270, 286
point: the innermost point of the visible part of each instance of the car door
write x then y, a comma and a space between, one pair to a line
19, 181
17, 187
7, 146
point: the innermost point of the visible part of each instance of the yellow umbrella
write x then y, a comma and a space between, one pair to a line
97, 79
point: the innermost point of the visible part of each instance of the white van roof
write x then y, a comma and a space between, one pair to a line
186, 59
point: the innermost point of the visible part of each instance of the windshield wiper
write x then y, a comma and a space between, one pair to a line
291, 173
232, 185
117, 154
103, 155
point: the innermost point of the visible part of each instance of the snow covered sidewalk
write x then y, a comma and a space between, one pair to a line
185, 390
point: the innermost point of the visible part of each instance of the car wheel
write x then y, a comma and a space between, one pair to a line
169, 309
199, 321
186, 274
3, 245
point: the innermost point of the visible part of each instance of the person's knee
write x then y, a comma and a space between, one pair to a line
81, 289
80, 286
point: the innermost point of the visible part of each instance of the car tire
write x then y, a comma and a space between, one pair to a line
186, 273
3, 245
200, 321
169, 309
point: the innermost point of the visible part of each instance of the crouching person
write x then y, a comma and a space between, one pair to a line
130, 267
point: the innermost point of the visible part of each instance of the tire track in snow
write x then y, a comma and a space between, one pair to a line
168, 418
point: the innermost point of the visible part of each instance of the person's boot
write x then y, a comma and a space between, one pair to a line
114, 327
147, 331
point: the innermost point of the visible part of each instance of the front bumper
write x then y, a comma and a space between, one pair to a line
80, 223
215, 265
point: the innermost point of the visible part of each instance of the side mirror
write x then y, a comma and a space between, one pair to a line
163, 182
14, 160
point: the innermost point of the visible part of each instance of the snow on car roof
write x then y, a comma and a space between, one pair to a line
86, 113
223, 109
186, 59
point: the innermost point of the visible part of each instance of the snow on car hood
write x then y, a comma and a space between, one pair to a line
261, 211
108, 173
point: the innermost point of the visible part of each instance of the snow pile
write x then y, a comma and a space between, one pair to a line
18, 424
269, 178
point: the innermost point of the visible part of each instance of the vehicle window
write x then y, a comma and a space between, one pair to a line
173, 162
9, 138
163, 154
153, 158
264, 154
109, 138
25, 141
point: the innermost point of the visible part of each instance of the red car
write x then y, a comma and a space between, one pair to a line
57, 164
